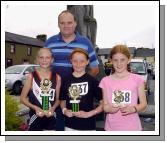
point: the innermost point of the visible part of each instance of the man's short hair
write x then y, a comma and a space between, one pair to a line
67, 11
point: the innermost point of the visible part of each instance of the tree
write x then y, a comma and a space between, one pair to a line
42, 37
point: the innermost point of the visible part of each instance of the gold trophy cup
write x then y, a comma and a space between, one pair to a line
118, 98
74, 93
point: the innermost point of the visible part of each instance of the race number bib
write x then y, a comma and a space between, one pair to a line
51, 94
83, 87
121, 97
37, 92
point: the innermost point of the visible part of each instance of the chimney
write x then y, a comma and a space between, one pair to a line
42, 37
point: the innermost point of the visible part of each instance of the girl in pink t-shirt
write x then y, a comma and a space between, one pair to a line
121, 92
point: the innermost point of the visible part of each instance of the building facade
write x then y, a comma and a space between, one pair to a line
20, 49
103, 54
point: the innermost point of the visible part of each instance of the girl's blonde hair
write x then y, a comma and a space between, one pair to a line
44, 48
123, 49
37, 55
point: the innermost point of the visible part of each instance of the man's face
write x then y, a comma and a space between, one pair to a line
67, 24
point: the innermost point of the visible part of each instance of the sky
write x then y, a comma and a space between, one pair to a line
129, 24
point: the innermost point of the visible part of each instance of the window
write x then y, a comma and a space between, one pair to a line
9, 62
29, 51
12, 48
25, 61
30, 69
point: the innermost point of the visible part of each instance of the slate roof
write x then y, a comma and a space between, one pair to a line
145, 52
106, 51
15, 38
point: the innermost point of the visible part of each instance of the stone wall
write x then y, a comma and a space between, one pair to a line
87, 26
86, 23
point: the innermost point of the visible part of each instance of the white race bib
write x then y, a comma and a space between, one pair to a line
83, 87
121, 97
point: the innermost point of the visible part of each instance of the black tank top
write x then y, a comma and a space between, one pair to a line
35, 92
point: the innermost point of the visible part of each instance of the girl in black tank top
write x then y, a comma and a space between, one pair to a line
42, 89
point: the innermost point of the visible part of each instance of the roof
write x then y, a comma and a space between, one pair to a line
15, 38
106, 51
145, 52
137, 60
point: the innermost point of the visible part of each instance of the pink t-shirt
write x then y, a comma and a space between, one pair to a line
129, 90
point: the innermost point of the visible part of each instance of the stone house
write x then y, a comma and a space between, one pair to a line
20, 49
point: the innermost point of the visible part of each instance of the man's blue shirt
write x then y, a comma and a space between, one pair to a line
62, 50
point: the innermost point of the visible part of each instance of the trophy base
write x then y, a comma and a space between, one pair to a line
47, 113
74, 101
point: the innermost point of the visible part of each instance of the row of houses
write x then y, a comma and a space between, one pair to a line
21, 49
144, 53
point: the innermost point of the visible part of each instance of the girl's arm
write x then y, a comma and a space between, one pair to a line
139, 107
97, 110
83, 114
106, 106
65, 111
24, 98
142, 99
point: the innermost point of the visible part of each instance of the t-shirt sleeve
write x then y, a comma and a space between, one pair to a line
102, 83
92, 55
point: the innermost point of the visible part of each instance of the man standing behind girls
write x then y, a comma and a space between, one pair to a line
66, 41
63, 44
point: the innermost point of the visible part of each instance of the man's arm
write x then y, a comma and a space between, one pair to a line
94, 71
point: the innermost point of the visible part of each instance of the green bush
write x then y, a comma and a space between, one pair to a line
12, 122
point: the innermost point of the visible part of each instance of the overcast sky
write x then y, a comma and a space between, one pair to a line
133, 25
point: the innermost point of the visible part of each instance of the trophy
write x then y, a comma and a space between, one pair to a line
74, 93
118, 98
45, 86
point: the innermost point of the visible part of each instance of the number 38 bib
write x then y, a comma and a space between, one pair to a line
121, 97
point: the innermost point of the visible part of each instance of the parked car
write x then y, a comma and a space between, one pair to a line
15, 76
139, 66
